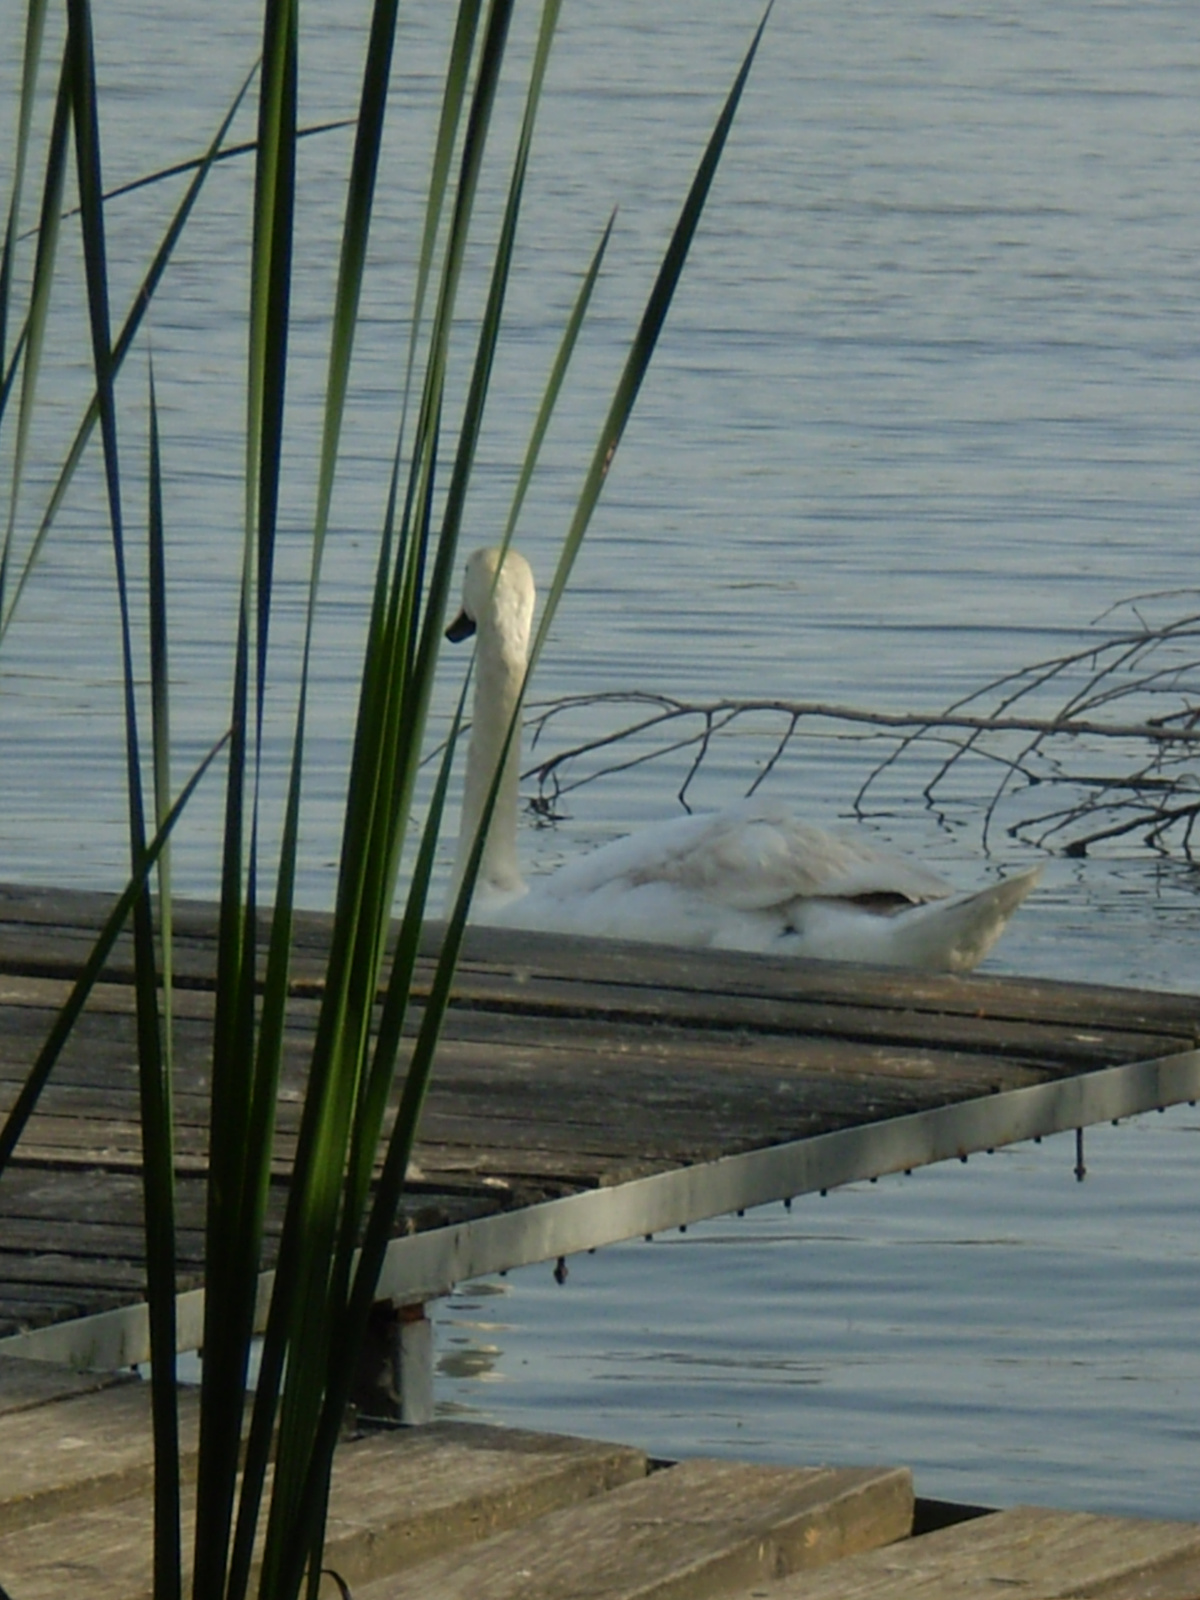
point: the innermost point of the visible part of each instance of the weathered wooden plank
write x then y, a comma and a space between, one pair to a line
679, 1108
399, 1498
697, 1529
103, 1241
1175, 1578
93, 1197
20, 1312
96, 1218
396, 1497
479, 1075
62, 1270
686, 1104
1038, 1553
28, 914
706, 1056
86, 1451
674, 1108
26, 1385
103, 1049
47, 931
775, 1033
504, 1046
781, 1013
731, 972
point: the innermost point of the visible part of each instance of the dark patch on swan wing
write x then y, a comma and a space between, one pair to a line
883, 903
753, 861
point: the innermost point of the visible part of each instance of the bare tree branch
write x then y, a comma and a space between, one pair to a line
1133, 694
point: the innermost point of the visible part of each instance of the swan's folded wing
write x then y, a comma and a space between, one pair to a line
752, 860
748, 858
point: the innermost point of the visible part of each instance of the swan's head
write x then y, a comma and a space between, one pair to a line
497, 600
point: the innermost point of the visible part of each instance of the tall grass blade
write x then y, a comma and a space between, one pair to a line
157, 1159
160, 710
416, 1083
485, 353
453, 95
420, 1068
378, 1082
227, 152
158, 1139
322, 1289
644, 342
35, 27
305, 1274
30, 346
354, 245
554, 384
354, 1306
129, 330
231, 1251
385, 668
25, 1104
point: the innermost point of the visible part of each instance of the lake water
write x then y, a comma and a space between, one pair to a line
927, 406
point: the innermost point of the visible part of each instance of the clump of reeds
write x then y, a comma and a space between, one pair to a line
353, 1150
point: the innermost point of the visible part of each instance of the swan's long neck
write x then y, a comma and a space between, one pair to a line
500, 671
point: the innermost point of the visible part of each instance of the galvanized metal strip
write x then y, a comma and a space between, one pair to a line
425, 1265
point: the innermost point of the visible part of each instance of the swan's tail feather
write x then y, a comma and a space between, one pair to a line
955, 935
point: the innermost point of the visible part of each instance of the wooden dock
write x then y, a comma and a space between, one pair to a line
586, 1091
459, 1511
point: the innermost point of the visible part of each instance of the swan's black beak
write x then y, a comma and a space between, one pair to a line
461, 628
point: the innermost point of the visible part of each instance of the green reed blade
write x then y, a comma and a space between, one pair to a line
25, 1104
157, 1157
30, 346
160, 711
453, 95
35, 26
236, 1181
227, 152
354, 244
342, 1030
133, 321
417, 1080
353, 1308
155, 1072
558, 372
644, 342
491, 55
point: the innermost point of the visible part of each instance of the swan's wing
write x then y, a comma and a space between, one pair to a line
747, 858
753, 859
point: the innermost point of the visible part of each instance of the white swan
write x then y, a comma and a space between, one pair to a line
749, 878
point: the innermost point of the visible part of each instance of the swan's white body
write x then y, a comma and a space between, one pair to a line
750, 878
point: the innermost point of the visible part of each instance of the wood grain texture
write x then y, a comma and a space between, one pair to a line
1036, 1553
694, 1530
396, 1498
85, 1451
565, 1065
25, 1385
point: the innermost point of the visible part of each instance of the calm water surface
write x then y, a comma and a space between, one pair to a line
926, 407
